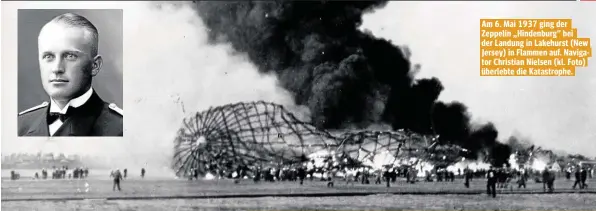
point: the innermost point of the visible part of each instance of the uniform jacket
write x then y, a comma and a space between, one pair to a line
94, 118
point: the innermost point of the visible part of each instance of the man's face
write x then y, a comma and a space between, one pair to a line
65, 60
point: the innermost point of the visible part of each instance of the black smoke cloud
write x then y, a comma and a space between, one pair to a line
345, 76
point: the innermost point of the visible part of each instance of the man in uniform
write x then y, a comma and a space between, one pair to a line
68, 60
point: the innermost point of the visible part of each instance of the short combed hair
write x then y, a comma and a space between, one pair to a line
76, 20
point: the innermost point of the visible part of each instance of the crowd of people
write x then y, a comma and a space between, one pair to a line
56, 173
496, 177
330, 171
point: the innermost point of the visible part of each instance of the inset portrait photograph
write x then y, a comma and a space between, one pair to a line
70, 72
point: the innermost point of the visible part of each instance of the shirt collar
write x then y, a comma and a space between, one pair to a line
76, 102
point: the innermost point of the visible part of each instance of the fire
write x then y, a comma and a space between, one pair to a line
209, 176
422, 167
382, 159
539, 164
472, 165
513, 161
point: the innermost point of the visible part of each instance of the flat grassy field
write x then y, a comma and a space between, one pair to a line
102, 188
153, 194
373, 202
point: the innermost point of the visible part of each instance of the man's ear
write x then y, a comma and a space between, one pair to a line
96, 66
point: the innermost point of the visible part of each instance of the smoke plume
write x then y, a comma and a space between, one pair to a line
345, 76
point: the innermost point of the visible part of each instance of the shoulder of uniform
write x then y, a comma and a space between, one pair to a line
44, 104
115, 108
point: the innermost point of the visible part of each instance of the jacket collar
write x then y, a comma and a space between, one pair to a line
75, 103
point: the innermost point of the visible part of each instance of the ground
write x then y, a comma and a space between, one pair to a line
154, 194
373, 202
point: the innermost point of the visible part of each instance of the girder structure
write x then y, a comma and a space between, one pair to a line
387, 147
248, 134
260, 133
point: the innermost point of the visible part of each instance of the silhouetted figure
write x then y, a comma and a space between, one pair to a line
125, 173
500, 178
578, 179
584, 177
142, 172
467, 177
568, 174
379, 174
117, 178
491, 182
523, 178
330, 178
75, 173
387, 176
301, 174
258, 174
549, 180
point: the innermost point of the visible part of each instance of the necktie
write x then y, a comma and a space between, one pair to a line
56, 115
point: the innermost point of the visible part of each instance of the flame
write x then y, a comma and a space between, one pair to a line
382, 159
539, 164
209, 176
513, 161
474, 166
423, 167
